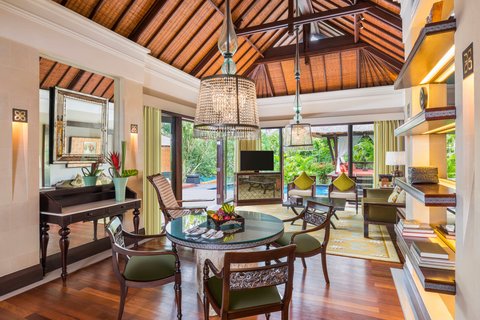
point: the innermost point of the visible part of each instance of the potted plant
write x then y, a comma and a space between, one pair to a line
90, 175
118, 172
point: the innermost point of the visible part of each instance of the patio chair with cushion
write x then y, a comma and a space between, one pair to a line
302, 186
344, 187
170, 206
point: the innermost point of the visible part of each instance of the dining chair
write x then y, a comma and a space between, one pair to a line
237, 292
170, 206
143, 269
308, 245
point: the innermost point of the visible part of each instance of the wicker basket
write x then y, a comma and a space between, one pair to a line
418, 175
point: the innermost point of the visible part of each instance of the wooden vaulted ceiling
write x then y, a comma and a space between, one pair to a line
344, 43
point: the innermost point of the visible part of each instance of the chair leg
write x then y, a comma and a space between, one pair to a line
324, 266
123, 297
285, 313
178, 299
365, 229
267, 316
206, 307
304, 263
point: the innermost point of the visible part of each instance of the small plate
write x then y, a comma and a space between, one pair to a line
196, 231
212, 234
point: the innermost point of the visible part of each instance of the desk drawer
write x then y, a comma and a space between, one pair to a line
121, 208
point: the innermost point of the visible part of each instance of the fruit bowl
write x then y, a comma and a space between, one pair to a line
226, 218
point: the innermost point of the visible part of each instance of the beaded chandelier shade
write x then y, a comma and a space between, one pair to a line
227, 103
298, 135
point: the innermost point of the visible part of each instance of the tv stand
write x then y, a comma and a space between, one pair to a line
258, 188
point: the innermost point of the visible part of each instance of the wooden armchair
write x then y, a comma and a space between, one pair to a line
307, 245
143, 269
243, 292
349, 195
292, 189
170, 206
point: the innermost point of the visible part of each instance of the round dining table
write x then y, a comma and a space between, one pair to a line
259, 229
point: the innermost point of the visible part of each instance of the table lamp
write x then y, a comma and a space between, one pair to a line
395, 159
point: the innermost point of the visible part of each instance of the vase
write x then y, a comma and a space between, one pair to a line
120, 188
89, 181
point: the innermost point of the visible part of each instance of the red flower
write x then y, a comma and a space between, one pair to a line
114, 160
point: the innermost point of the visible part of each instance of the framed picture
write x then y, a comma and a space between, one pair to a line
85, 146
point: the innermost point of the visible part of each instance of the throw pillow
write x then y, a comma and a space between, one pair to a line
303, 181
343, 182
402, 197
393, 197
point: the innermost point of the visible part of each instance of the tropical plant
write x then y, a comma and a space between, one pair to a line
117, 169
94, 169
363, 152
451, 158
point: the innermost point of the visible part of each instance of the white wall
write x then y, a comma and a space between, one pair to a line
19, 216
468, 163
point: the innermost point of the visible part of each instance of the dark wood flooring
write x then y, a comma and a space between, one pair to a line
359, 289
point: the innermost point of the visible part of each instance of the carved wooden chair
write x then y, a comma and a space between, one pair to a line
170, 206
349, 195
307, 245
143, 269
242, 292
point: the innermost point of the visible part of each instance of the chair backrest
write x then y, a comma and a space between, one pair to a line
319, 220
165, 195
115, 233
313, 187
332, 186
277, 273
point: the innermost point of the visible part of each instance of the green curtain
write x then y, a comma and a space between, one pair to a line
152, 119
245, 145
385, 140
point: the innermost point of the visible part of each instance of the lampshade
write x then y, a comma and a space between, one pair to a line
227, 107
298, 136
395, 158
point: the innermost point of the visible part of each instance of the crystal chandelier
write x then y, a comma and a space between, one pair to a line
298, 135
227, 103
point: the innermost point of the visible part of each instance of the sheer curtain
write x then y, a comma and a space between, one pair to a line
385, 140
152, 119
342, 151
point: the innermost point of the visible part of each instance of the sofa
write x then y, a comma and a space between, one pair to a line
377, 210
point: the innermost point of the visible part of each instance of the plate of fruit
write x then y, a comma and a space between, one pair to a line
225, 216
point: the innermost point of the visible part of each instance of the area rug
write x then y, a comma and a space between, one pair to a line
347, 240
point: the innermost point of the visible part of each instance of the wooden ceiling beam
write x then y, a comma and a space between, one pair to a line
95, 9
309, 18
383, 14
122, 14
42, 83
154, 34
321, 47
393, 63
108, 88
63, 76
86, 82
76, 79
146, 20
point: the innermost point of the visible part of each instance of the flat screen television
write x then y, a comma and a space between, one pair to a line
256, 160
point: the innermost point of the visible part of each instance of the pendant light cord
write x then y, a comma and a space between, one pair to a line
297, 66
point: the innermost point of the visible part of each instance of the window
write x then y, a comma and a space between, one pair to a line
451, 160
363, 154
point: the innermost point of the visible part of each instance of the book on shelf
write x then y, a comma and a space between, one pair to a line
444, 264
445, 233
421, 230
428, 249
414, 224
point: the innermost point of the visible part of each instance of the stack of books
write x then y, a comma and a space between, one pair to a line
413, 228
429, 254
448, 231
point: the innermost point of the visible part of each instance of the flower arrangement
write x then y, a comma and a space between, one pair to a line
94, 170
117, 169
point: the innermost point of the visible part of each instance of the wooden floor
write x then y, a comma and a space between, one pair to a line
359, 289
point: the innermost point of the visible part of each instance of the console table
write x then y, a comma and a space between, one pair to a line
258, 188
66, 206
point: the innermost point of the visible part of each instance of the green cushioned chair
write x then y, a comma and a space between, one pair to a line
377, 210
307, 245
237, 292
144, 269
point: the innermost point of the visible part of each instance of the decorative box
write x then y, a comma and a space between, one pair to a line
227, 225
423, 175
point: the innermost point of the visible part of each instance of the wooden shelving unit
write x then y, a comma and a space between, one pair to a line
432, 195
433, 280
429, 121
434, 41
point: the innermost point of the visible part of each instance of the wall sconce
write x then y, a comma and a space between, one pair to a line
134, 128
20, 115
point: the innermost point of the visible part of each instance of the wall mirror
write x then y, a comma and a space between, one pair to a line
78, 127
